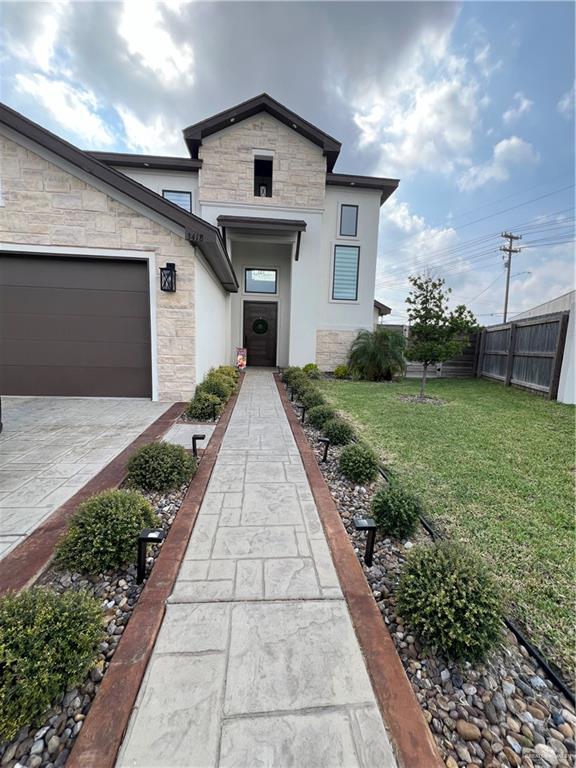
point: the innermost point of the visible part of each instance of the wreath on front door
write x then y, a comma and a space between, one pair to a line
260, 325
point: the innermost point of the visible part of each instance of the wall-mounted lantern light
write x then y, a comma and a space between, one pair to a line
367, 524
168, 278
145, 537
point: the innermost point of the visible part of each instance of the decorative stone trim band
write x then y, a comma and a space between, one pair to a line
110, 713
22, 567
409, 731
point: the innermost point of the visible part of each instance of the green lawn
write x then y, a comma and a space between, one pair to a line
495, 467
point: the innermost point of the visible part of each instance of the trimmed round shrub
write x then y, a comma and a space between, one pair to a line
288, 373
396, 511
230, 371
215, 384
160, 467
319, 415
341, 372
358, 463
48, 641
103, 533
312, 397
312, 371
338, 431
204, 406
300, 382
450, 600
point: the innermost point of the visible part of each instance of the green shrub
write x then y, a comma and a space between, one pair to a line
450, 600
289, 372
358, 463
230, 371
204, 406
103, 533
300, 382
160, 467
215, 384
377, 355
48, 642
396, 511
319, 415
341, 372
338, 431
312, 397
312, 371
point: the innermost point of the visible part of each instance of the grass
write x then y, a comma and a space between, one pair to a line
495, 468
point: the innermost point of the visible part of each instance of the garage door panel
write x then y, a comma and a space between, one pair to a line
73, 326
79, 302
38, 380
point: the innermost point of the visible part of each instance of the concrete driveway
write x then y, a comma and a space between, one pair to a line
51, 446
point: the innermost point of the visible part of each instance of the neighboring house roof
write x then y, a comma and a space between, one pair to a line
197, 231
386, 186
382, 308
262, 223
561, 303
157, 162
194, 134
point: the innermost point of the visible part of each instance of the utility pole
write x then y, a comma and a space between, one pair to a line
508, 249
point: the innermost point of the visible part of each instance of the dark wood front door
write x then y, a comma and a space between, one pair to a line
260, 325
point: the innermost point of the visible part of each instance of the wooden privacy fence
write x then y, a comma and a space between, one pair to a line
527, 353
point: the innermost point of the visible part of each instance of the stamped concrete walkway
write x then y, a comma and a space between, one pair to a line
256, 663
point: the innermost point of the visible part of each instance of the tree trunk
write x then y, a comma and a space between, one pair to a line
423, 381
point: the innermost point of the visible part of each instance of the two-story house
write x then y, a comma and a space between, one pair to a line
132, 275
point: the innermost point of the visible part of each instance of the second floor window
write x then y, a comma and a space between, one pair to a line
345, 276
262, 177
348, 220
183, 199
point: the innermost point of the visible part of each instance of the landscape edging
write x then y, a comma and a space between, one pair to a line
413, 742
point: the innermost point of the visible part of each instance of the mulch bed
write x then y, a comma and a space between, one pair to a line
503, 712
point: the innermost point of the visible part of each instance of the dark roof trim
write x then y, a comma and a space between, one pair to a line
194, 134
197, 231
262, 223
382, 308
156, 162
386, 186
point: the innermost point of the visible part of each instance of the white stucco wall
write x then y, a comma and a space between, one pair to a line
181, 181
212, 305
567, 384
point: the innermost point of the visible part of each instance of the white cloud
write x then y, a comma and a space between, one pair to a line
566, 104
484, 62
39, 51
507, 154
153, 136
149, 42
74, 108
521, 106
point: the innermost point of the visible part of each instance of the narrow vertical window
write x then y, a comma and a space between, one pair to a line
345, 277
263, 177
348, 220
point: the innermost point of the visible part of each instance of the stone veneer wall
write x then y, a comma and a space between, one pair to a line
332, 348
227, 173
45, 205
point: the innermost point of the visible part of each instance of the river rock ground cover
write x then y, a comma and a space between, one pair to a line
494, 467
503, 712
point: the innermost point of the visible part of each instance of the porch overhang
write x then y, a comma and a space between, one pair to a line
262, 224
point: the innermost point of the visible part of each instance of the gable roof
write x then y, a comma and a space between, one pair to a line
197, 231
194, 134
383, 309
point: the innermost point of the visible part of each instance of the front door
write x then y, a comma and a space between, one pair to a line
260, 325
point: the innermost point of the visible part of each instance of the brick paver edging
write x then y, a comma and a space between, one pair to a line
22, 567
413, 742
100, 739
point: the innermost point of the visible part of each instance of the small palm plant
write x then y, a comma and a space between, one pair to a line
377, 355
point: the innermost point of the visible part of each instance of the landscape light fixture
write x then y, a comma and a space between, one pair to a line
290, 394
303, 409
326, 443
195, 439
145, 537
168, 278
367, 524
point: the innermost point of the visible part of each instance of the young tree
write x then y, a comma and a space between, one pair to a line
436, 333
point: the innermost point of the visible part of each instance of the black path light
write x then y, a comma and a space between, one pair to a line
367, 524
145, 537
168, 278
195, 439
290, 393
326, 443
303, 409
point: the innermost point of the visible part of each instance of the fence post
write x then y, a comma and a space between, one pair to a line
482, 347
511, 350
558, 357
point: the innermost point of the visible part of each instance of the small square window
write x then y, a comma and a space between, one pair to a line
262, 177
345, 277
349, 220
260, 281
182, 199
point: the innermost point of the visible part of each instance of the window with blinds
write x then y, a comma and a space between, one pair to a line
182, 199
345, 277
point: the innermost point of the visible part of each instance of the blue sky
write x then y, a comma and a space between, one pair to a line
471, 105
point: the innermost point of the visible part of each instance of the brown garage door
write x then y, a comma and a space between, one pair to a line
73, 326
